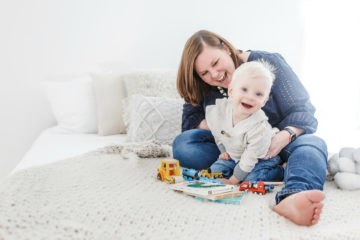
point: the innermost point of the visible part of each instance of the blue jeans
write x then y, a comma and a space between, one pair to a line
264, 170
306, 159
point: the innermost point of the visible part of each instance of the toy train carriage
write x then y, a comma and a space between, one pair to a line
192, 174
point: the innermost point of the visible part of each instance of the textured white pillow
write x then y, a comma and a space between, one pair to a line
73, 104
153, 118
111, 89
151, 83
109, 93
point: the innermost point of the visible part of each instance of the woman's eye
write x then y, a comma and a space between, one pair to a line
244, 89
216, 62
204, 74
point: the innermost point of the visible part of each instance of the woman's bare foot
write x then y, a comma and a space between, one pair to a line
302, 208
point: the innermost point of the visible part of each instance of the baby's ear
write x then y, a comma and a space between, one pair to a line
265, 101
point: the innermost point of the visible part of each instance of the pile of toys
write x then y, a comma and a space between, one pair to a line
169, 171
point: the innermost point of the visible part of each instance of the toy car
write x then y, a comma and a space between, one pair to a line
169, 171
256, 187
205, 175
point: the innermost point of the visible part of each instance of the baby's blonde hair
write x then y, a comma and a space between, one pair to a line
256, 69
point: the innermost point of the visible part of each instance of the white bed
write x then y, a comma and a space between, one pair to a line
55, 144
61, 191
103, 196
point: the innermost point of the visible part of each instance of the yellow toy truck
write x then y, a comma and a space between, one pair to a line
169, 171
206, 173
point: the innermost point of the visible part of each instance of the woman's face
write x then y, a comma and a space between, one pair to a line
215, 66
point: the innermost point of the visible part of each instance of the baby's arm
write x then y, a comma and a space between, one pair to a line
232, 180
223, 155
258, 139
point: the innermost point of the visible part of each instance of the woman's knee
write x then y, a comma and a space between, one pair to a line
182, 141
312, 143
195, 148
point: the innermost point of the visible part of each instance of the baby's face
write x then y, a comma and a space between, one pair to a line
249, 94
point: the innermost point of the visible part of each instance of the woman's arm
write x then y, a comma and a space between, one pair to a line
281, 140
291, 98
193, 117
293, 104
203, 125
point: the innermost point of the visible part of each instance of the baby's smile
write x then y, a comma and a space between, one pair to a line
247, 106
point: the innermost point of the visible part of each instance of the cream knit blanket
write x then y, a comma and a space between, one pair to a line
103, 196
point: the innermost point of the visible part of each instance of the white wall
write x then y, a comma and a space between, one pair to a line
40, 38
331, 64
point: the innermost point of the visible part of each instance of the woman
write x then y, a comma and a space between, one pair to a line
207, 64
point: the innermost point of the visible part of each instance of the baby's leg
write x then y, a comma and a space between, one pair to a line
302, 208
267, 170
224, 166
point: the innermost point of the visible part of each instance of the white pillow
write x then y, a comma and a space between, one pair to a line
111, 89
151, 83
109, 93
73, 104
153, 118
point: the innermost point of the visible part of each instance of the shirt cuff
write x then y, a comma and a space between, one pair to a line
239, 173
222, 148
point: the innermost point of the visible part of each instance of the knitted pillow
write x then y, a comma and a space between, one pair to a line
110, 89
151, 83
153, 118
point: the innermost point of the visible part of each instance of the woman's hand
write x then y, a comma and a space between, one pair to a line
278, 142
203, 125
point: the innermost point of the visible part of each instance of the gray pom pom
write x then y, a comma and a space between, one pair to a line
347, 181
357, 167
346, 152
346, 165
333, 166
356, 155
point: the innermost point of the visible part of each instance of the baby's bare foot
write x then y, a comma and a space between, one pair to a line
302, 208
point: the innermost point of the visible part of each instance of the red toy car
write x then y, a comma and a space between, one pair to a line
257, 187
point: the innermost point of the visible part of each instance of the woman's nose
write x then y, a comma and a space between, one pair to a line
214, 74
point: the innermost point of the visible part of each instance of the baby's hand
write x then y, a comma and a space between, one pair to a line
233, 180
224, 156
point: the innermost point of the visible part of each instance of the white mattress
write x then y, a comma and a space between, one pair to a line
55, 144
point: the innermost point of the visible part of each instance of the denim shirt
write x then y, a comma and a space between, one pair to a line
288, 105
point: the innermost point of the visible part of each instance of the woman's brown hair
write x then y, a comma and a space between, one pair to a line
189, 84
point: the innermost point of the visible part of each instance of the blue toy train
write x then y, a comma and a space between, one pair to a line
204, 175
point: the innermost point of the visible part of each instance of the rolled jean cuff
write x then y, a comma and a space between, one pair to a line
281, 195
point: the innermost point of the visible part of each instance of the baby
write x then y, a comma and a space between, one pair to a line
240, 127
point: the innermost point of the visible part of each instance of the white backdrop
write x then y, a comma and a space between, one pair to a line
41, 38
331, 68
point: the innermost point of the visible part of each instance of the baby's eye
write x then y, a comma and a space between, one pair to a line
244, 89
259, 94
